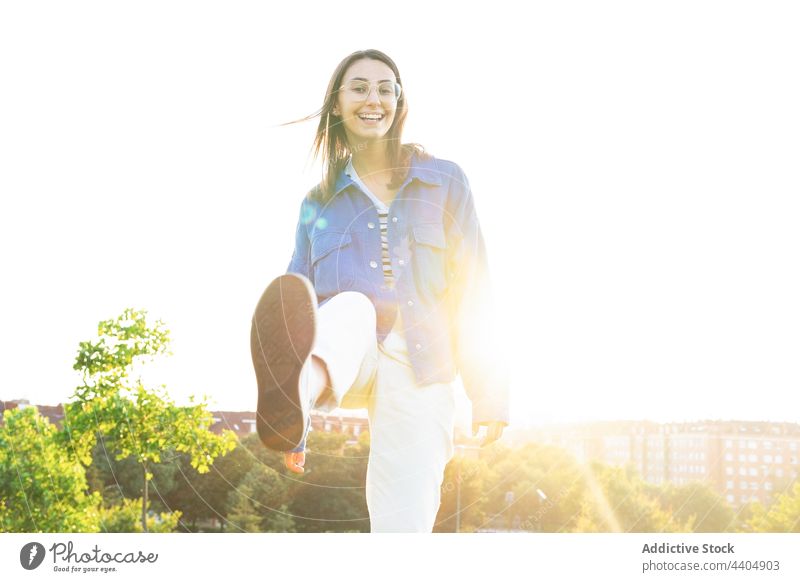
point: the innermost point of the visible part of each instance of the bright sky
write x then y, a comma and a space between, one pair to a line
635, 168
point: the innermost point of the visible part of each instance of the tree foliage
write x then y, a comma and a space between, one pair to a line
783, 516
260, 503
617, 500
697, 506
330, 496
42, 488
125, 517
133, 420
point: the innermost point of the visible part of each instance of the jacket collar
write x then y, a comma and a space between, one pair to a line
424, 170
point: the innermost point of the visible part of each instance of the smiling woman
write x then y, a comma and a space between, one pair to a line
364, 106
338, 331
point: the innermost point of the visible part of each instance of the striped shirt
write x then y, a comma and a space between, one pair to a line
383, 220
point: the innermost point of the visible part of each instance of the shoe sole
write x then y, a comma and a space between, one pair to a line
281, 338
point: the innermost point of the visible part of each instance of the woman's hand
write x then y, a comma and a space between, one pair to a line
294, 461
494, 430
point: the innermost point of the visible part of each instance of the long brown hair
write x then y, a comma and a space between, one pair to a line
331, 141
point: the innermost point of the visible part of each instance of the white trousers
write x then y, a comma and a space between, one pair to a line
411, 426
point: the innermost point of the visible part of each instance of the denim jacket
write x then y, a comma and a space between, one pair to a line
441, 276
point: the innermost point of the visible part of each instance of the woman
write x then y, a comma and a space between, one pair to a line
386, 299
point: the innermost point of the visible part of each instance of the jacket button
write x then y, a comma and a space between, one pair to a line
373, 264
394, 219
410, 303
418, 346
370, 225
401, 262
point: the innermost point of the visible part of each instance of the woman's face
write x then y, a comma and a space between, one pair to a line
366, 117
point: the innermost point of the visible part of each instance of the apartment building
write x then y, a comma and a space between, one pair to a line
244, 423
744, 461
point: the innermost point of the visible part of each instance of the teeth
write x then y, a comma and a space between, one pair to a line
371, 116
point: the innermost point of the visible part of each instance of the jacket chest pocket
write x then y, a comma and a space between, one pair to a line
332, 262
429, 258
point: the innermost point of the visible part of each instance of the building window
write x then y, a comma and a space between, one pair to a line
742, 484
768, 485
731, 498
779, 459
742, 471
767, 444
779, 472
752, 445
754, 485
728, 456
742, 457
729, 470
753, 458
729, 485
768, 458
753, 472
728, 444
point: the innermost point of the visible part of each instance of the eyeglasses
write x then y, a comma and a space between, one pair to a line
388, 91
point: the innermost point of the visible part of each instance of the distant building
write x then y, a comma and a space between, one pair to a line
244, 423
744, 461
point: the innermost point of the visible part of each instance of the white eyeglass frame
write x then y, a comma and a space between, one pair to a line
398, 90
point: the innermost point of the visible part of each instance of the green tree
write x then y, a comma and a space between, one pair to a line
125, 517
546, 484
121, 478
243, 515
697, 506
616, 499
260, 503
120, 481
330, 496
205, 496
42, 488
132, 419
783, 516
